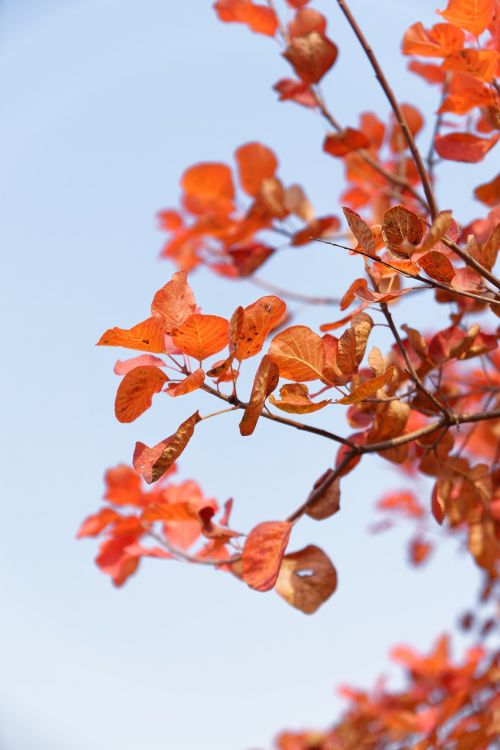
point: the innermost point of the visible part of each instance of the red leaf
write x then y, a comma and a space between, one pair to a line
464, 147
174, 302
263, 552
256, 163
311, 56
153, 463
258, 18
135, 392
349, 139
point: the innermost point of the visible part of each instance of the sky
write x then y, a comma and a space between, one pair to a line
105, 103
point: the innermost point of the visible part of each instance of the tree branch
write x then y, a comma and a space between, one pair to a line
379, 74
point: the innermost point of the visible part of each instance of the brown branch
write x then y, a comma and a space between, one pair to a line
360, 450
297, 296
275, 418
379, 74
395, 179
471, 262
180, 554
416, 277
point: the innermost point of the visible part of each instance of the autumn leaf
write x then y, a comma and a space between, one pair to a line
174, 302
311, 56
361, 231
368, 388
95, 524
489, 192
471, 15
307, 578
340, 144
135, 392
263, 552
256, 163
168, 512
200, 336
190, 383
481, 64
208, 186
148, 336
463, 147
259, 319
122, 366
437, 230
327, 503
299, 354
297, 91
153, 463
440, 41
259, 18
437, 266
265, 381
401, 231
294, 399
305, 21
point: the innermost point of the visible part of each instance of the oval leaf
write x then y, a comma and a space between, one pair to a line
307, 579
135, 393
263, 552
200, 336
299, 353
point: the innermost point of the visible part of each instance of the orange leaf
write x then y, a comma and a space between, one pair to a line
472, 15
258, 18
153, 463
414, 121
263, 552
208, 187
200, 336
174, 302
361, 232
401, 232
191, 383
148, 336
265, 381
419, 551
311, 56
299, 354
255, 164
328, 502
93, 525
305, 21
437, 266
437, 230
307, 578
323, 226
168, 512
368, 388
135, 393
481, 63
429, 72
349, 139
122, 366
123, 486
464, 147
294, 399
259, 319
489, 192
297, 91
440, 41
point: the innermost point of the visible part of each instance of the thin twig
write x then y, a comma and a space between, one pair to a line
297, 296
379, 74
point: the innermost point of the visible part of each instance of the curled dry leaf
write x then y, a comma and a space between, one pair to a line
256, 163
294, 399
200, 336
327, 503
401, 231
368, 388
153, 463
263, 552
148, 336
135, 393
360, 230
191, 383
299, 354
311, 56
174, 302
265, 381
307, 578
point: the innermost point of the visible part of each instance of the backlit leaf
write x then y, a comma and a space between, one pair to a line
122, 366
255, 163
299, 354
174, 302
153, 463
437, 266
463, 147
208, 186
360, 230
368, 388
190, 383
259, 319
200, 336
263, 552
135, 392
401, 231
148, 336
340, 144
440, 41
471, 15
259, 18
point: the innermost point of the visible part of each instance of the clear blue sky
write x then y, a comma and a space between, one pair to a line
105, 102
